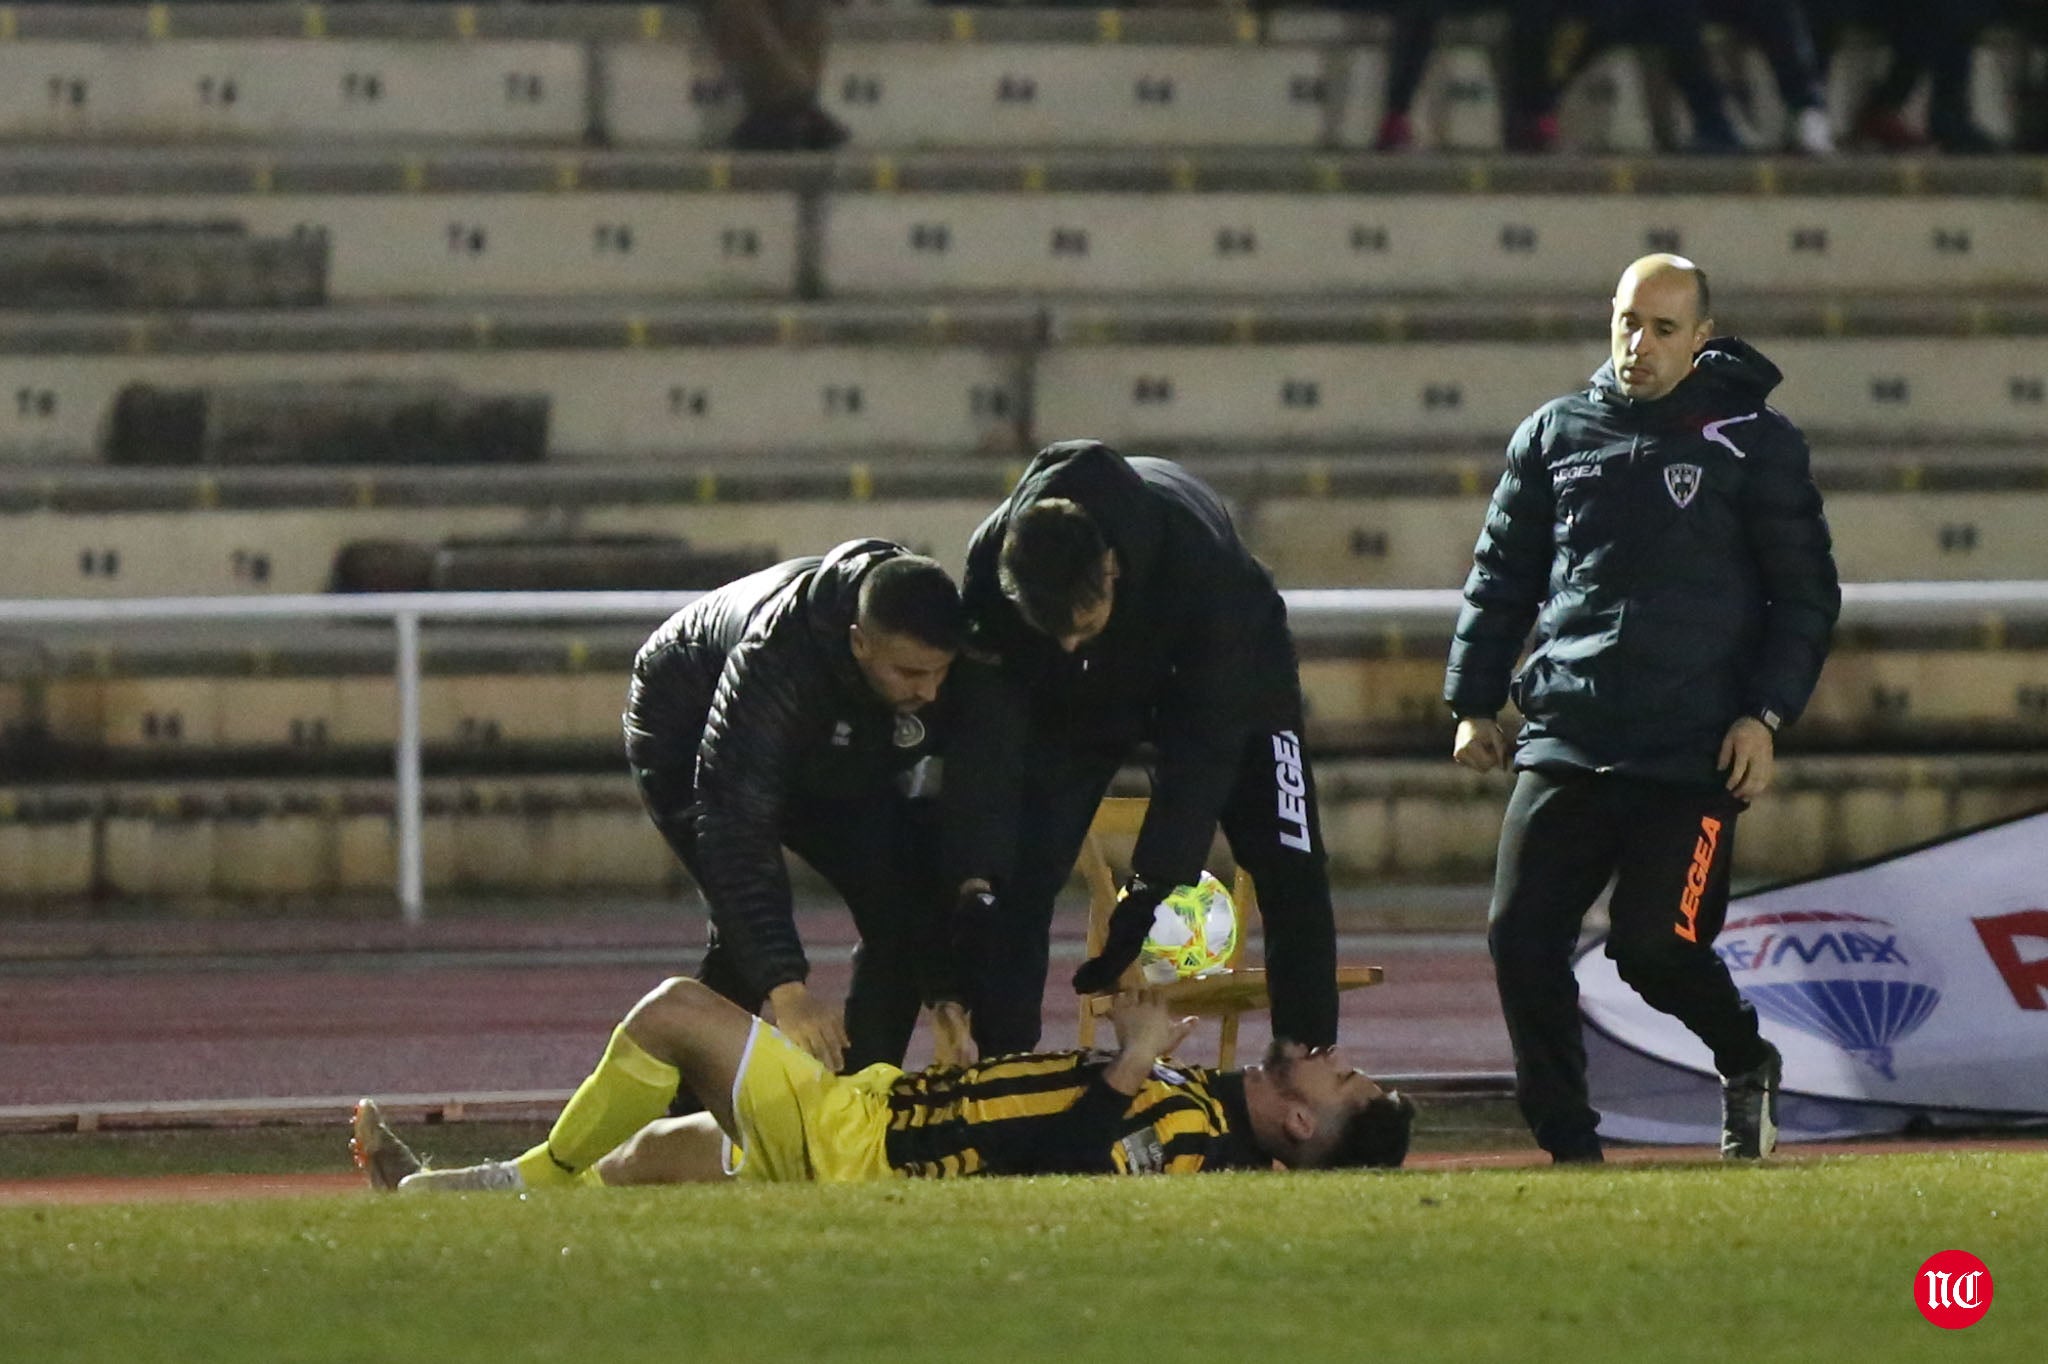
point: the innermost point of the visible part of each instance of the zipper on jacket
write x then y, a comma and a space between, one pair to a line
1621, 671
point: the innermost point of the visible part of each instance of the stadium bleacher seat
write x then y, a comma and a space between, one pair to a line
1306, 224
617, 382
1188, 397
288, 88
500, 239
1000, 377
1370, 518
73, 263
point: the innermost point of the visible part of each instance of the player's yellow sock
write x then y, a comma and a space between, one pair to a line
629, 1089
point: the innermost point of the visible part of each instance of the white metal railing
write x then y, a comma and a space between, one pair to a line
1932, 603
405, 611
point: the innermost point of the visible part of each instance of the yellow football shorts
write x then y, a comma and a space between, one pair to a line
798, 1121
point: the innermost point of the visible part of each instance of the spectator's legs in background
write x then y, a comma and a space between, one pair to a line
1532, 84
1880, 121
1677, 29
1936, 41
1953, 28
1675, 26
775, 50
2031, 18
1781, 29
1529, 85
1415, 24
807, 28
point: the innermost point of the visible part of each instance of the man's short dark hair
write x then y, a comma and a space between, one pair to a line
912, 595
1051, 563
1377, 1135
1699, 282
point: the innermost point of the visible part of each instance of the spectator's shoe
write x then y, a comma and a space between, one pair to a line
1749, 1109
1397, 134
771, 130
493, 1176
1537, 133
1887, 130
376, 1149
1716, 139
1808, 133
1960, 137
822, 132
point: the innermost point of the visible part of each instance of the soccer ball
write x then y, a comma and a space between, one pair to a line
1194, 933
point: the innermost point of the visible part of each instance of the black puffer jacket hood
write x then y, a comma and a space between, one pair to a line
676, 671
1195, 656
831, 602
1727, 369
1183, 571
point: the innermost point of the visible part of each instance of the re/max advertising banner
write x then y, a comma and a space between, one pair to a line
1911, 991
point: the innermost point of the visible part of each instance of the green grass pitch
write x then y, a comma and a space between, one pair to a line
1800, 1260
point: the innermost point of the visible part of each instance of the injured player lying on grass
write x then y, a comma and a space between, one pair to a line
774, 1113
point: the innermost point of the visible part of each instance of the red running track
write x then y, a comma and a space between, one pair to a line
526, 1017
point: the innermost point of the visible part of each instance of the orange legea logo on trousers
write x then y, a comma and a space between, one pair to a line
1696, 879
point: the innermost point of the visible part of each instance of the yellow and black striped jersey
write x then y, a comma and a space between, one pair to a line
1053, 1113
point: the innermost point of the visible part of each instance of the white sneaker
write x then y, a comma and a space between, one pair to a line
377, 1150
493, 1176
1811, 134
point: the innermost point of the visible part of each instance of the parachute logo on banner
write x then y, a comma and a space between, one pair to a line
1849, 979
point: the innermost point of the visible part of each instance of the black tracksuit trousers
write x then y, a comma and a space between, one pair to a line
882, 857
1668, 848
1272, 822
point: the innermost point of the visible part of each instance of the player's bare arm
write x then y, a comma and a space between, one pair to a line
1145, 1031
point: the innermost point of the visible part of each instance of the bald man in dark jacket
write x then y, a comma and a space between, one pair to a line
1661, 531
800, 707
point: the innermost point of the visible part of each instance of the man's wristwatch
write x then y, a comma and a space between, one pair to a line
1771, 719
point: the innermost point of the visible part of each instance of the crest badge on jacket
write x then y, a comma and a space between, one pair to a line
1682, 481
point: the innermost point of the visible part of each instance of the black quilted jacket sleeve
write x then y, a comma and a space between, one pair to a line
1794, 554
1509, 579
753, 736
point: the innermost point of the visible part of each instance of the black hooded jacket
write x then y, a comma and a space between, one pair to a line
1195, 655
754, 689
1674, 560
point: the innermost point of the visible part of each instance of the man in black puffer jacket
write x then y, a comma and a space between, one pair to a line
801, 707
1119, 607
1662, 533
